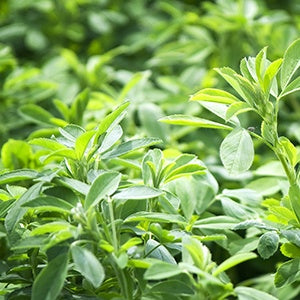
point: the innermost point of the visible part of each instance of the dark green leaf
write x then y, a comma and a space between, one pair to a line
49, 282
88, 265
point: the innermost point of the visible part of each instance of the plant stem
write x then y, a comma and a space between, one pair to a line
113, 225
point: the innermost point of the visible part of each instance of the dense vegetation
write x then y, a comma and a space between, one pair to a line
113, 185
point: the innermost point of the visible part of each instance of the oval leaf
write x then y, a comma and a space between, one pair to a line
88, 265
105, 184
268, 244
237, 152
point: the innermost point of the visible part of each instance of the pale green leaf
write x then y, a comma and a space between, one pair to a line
137, 192
237, 108
193, 121
82, 143
247, 293
233, 261
237, 152
162, 270
214, 95
155, 217
290, 64
18, 175
294, 86
270, 74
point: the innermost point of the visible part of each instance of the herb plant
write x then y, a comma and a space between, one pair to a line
260, 88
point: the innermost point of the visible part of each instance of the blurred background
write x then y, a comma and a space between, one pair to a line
153, 53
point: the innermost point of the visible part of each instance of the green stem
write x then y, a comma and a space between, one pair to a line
113, 225
290, 173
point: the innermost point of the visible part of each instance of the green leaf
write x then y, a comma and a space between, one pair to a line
185, 170
154, 249
132, 82
194, 250
162, 270
289, 149
110, 119
270, 74
65, 153
193, 121
36, 114
268, 244
104, 185
236, 210
148, 114
110, 138
48, 202
260, 61
62, 108
82, 143
172, 287
231, 77
49, 144
75, 185
290, 64
294, 195
290, 250
247, 70
292, 235
49, 282
266, 186
16, 212
233, 261
30, 242
252, 223
71, 132
155, 217
51, 227
249, 91
237, 152
137, 192
287, 273
218, 222
130, 146
237, 108
294, 86
268, 132
16, 154
246, 293
214, 95
18, 175
78, 106
88, 265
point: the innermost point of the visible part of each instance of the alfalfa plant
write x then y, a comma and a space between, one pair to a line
260, 88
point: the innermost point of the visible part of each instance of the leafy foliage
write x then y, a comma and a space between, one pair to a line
101, 197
